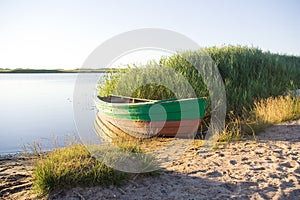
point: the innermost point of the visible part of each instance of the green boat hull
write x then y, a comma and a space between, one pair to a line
147, 110
142, 118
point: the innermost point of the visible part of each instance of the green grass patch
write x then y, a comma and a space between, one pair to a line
75, 165
72, 166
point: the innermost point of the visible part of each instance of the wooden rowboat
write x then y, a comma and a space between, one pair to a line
143, 118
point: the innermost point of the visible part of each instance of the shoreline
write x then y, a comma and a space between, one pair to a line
45, 71
268, 168
12, 154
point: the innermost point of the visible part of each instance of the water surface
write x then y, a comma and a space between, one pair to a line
35, 108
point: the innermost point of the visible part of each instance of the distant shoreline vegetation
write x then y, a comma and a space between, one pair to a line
27, 70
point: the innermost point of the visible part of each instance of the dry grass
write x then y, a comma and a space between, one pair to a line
276, 109
266, 112
238, 128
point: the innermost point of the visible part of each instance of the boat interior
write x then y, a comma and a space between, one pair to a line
122, 99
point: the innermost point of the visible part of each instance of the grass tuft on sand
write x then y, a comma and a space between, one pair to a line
75, 165
277, 109
72, 166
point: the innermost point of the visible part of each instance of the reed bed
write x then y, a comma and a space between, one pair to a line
247, 72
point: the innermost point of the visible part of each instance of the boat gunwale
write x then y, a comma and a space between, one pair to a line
147, 101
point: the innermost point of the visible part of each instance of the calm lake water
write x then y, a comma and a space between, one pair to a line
35, 108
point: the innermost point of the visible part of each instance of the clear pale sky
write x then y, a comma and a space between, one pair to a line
61, 34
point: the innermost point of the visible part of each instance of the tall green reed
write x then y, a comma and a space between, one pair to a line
247, 72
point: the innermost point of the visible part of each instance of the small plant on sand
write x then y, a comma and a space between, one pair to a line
236, 128
75, 165
72, 166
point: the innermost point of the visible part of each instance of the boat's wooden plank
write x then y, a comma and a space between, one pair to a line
186, 128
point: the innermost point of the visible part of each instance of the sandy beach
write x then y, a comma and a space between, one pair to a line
268, 168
